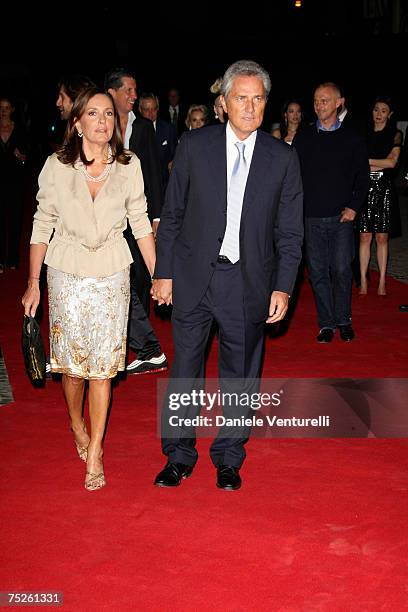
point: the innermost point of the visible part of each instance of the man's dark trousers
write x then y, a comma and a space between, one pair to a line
329, 253
142, 338
240, 353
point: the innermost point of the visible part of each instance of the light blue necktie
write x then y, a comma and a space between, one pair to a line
230, 245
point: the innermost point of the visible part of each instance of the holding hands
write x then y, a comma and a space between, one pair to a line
161, 291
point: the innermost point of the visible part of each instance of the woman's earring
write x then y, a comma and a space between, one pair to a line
80, 134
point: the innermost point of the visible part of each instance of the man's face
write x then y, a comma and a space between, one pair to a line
5, 110
64, 103
245, 105
326, 103
126, 96
149, 109
174, 97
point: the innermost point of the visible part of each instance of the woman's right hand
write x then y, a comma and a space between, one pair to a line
31, 298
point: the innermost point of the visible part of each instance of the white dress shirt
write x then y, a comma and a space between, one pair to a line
128, 132
232, 150
232, 154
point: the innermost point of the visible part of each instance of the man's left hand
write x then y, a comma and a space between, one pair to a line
278, 306
347, 214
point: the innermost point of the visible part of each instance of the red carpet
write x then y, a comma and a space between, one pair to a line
319, 525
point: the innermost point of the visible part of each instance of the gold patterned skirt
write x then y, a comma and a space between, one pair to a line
88, 323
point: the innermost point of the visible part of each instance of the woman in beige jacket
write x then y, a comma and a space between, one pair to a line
88, 190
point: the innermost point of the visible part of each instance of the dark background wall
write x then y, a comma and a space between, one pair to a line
361, 44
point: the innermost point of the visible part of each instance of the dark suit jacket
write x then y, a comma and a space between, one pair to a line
143, 143
181, 118
356, 123
193, 219
166, 138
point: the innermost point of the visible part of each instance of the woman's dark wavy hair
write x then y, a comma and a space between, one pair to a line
72, 149
384, 99
283, 126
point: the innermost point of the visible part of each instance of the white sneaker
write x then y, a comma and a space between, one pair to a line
48, 373
148, 366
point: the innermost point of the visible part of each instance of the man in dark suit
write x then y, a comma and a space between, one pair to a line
138, 136
175, 112
228, 249
166, 135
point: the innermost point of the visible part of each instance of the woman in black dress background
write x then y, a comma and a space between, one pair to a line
384, 142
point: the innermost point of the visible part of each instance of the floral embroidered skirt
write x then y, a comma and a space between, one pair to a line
88, 323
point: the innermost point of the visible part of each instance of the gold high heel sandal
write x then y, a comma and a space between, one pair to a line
95, 481
81, 450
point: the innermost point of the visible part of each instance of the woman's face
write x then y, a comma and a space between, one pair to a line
381, 114
293, 113
98, 120
6, 110
197, 119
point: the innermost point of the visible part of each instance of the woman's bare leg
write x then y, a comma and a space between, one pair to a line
74, 396
365, 254
382, 258
99, 398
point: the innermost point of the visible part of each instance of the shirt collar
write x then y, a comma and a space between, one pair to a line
232, 138
332, 128
128, 131
131, 118
342, 114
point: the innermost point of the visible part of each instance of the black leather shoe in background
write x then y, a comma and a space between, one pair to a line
173, 474
326, 335
346, 333
228, 478
403, 307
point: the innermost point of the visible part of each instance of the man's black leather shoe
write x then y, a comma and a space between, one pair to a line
403, 307
172, 474
228, 478
346, 333
326, 335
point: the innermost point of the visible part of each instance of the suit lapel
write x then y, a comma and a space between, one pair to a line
159, 131
217, 158
260, 165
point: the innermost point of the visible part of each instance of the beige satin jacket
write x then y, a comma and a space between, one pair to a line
88, 239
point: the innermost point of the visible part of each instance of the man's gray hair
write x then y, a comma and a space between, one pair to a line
244, 68
148, 95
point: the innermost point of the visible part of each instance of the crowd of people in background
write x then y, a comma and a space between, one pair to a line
377, 222
379, 218
343, 158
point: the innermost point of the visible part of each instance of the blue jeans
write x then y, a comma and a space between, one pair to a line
329, 253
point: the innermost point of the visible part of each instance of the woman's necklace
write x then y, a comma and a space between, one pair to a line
104, 173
